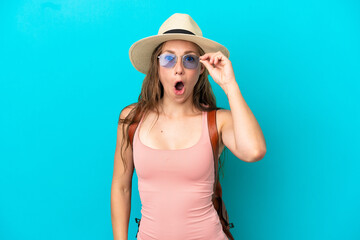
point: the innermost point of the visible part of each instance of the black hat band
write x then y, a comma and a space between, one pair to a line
183, 31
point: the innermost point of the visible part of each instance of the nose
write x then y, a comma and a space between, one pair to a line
179, 68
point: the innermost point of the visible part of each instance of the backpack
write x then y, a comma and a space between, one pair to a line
219, 204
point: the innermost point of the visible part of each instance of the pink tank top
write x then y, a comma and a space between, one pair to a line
176, 188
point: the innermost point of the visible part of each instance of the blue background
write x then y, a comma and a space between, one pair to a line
65, 75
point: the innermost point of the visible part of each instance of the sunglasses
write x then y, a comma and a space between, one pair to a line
169, 60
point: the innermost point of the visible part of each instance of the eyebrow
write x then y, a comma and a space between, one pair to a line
190, 51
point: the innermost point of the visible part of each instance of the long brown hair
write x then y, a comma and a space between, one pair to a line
152, 91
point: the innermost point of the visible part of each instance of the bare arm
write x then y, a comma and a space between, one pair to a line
239, 129
121, 187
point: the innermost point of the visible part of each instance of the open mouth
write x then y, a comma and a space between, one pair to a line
179, 86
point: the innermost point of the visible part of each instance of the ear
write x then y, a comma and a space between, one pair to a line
202, 68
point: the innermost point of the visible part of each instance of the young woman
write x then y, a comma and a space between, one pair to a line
171, 149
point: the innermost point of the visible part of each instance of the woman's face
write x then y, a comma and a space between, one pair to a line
178, 81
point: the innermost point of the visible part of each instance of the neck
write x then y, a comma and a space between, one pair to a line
174, 109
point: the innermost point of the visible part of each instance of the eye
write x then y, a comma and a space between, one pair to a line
169, 57
189, 58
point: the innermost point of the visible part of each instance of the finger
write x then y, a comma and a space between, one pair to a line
216, 60
219, 59
212, 59
209, 55
223, 60
205, 56
207, 65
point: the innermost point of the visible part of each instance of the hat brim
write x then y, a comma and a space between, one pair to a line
140, 52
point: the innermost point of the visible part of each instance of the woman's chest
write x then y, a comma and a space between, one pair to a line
170, 134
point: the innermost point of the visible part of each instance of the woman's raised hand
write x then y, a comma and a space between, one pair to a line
219, 67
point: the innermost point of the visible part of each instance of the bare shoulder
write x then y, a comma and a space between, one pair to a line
222, 116
125, 111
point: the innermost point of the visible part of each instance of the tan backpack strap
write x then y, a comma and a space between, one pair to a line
214, 138
217, 196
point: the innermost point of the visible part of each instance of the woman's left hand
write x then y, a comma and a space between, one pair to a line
219, 67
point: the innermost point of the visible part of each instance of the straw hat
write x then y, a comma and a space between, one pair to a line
178, 26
